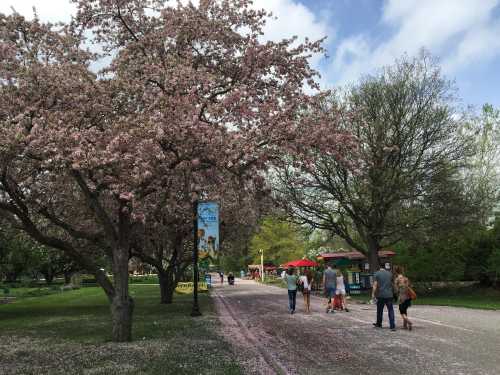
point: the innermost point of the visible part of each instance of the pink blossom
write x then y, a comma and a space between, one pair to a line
126, 196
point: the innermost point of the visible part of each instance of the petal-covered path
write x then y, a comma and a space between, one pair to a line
268, 340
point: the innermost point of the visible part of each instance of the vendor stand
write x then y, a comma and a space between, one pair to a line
358, 277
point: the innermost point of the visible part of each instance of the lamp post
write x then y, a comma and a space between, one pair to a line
261, 251
196, 308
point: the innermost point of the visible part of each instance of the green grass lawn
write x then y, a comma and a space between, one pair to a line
26, 292
473, 297
86, 280
69, 333
33, 288
146, 279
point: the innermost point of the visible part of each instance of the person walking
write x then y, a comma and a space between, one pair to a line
329, 285
340, 291
383, 291
402, 285
291, 281
307, 280
230, 278
221, 274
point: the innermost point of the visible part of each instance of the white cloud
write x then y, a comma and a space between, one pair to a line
294, 19
350, 57
47, 10
456, 30
479, 44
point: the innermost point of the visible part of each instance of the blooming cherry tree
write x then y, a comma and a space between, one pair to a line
191, 99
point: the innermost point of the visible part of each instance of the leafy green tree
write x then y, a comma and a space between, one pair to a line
406, 167
52, 263
20, 255
438, 261
236, 236
321, 241
494, 266
466, 253
483, 165
281, 241
17, 257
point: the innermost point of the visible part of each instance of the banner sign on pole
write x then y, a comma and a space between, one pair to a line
208, 229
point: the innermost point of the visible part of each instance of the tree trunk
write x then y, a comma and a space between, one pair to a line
49, 277
168, 278
122, 305
485, 281
67, 277
122, 309
167, 286
10, 277
373, 261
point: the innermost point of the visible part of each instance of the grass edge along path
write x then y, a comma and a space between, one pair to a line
467, 297
68, 333
472, 298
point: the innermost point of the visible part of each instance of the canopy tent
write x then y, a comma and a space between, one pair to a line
300, 263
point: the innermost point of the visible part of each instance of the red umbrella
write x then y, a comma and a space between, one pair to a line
300, 263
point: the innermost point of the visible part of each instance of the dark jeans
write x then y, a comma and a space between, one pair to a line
381, 302
292, 297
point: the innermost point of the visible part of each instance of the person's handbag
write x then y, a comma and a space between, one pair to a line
300, 286
412, 294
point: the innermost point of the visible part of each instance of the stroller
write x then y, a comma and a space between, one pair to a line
337, 302
230, 279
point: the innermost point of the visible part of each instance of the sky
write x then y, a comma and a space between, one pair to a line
364, 35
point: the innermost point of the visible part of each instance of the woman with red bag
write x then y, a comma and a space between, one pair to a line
404, 292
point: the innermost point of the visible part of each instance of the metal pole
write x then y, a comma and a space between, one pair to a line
262, 264
196, 308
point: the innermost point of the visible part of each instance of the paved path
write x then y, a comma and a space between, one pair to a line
268, 340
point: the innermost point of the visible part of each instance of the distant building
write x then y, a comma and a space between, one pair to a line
136, 267
358, 276
355, 259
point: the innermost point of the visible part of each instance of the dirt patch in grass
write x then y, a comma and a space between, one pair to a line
28, 355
